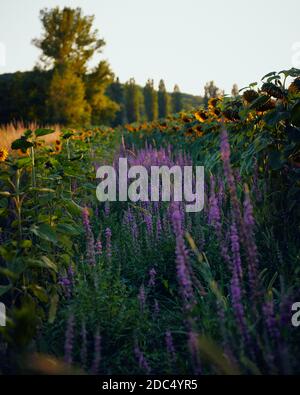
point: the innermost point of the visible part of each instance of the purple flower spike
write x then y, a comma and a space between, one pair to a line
142, 297
69, 339
143, 363
97, 353
152, 274
108, 235
90, 241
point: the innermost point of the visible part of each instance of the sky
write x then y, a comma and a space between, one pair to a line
185, 42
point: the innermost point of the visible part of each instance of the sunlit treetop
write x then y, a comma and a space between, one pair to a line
68, 39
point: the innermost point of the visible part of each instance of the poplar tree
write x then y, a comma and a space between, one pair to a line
150, 100
163, 100
132, 101
176, 99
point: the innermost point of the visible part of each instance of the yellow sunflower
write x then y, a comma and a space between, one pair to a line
3, 154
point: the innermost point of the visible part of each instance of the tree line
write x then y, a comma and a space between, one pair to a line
63, 89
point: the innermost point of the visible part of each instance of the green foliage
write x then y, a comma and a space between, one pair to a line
67, 103
133, 100
151, 101
68, 40
176, 99
163, 101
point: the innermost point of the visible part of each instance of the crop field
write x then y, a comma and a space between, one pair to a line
145, 287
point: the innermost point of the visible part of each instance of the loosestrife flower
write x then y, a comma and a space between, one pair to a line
236, 296
271, 323
225, 156
143, 363
89, 237
108, 243
183, 274
69, 339
214, 218
158, 228
251, 247
235, 248
98, 246
170, 346
83, 351
142, 297
152, 274
194, 351
97, 352
106, 209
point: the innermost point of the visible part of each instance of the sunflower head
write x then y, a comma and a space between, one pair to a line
3, 154
201, 116
250, 95
213, 101
294, 88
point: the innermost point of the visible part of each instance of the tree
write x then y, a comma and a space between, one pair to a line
150, 100
68, 39
66, 100
235, 90
163, 100
116, 93
68, 43
132, 101
176, 99
103, 109
211, 90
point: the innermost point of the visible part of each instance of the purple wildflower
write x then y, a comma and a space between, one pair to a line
156, 308
83, 351
106, 208
225, 155
98, 246
143, 363
214, 218
194, 351
236, 295
271, 323
69, 338
170, 346
183, 273
142, 297
250, 243
158, 228
97, 353
152, 274
89, 237
108, 242
66, 285
235, 248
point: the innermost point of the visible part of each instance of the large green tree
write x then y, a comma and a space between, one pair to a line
68, 43
66, 101
150, 100
68, 39
103, 109
163, 100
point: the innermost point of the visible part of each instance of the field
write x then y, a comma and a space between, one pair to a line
145, 287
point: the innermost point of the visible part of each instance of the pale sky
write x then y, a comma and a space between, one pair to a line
187, 42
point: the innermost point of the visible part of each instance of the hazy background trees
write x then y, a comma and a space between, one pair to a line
64, 89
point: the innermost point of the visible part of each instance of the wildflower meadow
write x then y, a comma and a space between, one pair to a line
193, 266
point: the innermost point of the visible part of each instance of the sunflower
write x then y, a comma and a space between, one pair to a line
212, 102
294, 88
201, 116
3, 154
